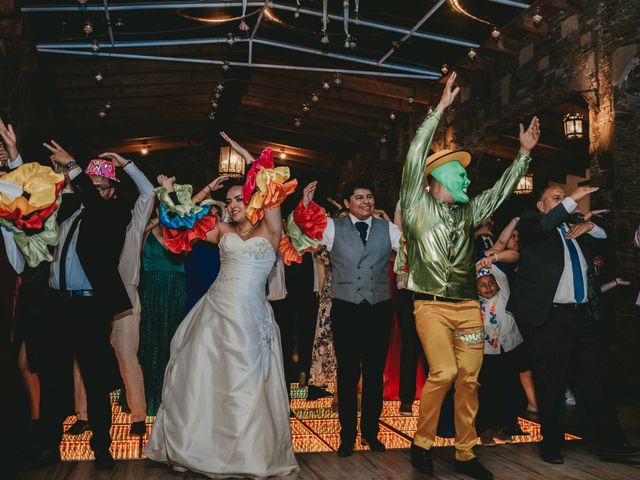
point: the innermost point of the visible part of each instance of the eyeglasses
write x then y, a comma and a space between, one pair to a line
102, 187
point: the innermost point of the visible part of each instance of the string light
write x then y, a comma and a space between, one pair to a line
230, 40
392, 116
495, 33
297, 122
411, 99
212, 116
98, 77
337, 80
95, 46
282, 154
145, 148
537, 17
102, 113
305, 107
444, 69
225, 66
315, 97
326, 86
87, 28
472, 54
107, 106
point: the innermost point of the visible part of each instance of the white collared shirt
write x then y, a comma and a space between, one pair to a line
565, 291
330, 232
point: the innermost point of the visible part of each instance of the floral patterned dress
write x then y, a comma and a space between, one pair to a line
323, 359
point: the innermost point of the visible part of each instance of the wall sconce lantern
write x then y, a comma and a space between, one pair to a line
230, 162
525, 185
573, 126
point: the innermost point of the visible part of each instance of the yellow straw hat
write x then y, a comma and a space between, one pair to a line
445, 156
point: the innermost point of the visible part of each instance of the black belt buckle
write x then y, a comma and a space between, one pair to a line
570, 306
76, 293
433, 298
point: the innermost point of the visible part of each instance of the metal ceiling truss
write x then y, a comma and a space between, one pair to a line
73, 48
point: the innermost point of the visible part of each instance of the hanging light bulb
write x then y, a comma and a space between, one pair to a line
243, 26
383, 139
315, 97
220, 87
326, 86
352, 43
297, 122
411, 99
225, 66
95, 46
87, 27
145, 148
444, 69
212, 116
346, 42
217, 95
119, 23
98, 77
107, 106
282, 154
230, 40
305, 107
337, 80
82, 2
495, 33
325, 39
537, 17
472, 54
102, 113
214, 104
392, 116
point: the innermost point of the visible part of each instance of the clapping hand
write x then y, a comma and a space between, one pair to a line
9, 138
58, 154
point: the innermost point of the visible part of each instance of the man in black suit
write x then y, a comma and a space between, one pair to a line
555, 300
86, 293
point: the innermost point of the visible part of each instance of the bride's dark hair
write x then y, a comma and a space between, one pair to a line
233, 182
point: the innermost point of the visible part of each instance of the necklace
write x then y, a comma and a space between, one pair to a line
245, 233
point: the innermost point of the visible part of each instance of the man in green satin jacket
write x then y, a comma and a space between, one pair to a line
438, 225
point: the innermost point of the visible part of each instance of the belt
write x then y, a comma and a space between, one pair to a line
75, 293
429, 297
572, 306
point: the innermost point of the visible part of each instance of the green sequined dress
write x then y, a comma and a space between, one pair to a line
163, 295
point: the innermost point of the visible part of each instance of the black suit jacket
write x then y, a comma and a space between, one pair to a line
100, 240
541, 265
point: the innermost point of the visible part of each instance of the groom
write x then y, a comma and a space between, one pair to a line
438, 225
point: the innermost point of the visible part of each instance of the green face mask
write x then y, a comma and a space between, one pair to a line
454, 178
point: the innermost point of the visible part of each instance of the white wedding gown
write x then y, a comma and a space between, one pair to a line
225, 409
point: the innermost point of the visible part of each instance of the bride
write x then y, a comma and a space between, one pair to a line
225, 409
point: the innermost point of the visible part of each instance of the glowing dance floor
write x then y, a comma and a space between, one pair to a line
314, 427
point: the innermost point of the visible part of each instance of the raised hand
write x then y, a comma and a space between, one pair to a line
381, 214
9, 139
308, 193
117, 159
217, 184
449, 94
58, 154
166, 182
238, 148
595, 213
622, 282
530, 137
581, 192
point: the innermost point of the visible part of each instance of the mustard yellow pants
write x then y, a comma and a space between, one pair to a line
452, 336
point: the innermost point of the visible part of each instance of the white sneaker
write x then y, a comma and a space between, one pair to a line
532, 409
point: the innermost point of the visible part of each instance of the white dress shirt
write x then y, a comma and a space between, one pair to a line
129, 266
330, 232
565, 291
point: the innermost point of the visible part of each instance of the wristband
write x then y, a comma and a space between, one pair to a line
71, 164
128, 162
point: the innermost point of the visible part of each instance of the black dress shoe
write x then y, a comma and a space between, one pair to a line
138, 428
472, 468
43, 459
78, 428
104, 460
406, 409
421, 459
625, 452
554, 458
314, 393
345, 449
374, 444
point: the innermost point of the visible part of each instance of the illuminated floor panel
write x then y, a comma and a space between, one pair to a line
314, 428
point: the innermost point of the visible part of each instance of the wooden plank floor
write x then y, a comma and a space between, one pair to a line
518, 461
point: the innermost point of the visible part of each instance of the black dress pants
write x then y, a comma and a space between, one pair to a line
361, 339
569, 342
78, 327
411, 350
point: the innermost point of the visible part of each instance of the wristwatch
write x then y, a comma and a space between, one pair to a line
71, 164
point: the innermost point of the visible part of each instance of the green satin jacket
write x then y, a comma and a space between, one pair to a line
440, 245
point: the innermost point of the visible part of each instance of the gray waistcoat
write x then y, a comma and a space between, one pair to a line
360, 272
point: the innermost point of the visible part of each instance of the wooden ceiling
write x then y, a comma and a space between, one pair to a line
166, 104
